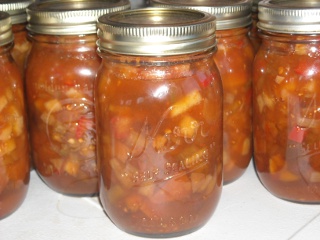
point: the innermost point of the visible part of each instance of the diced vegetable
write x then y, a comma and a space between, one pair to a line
315, 177
3, 102
116, 193
124, 178
133, 202
288, 176
147, 190
279, 79
7, 147
192, 99
72, 167
18, 126
210, 183
276, 163
174, 189
6, 132
246, 146
121, 126
160, 142
198, 181
53, 105
188, 127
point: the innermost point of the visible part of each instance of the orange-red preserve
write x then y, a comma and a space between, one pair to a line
159, 120
287, 100
60, 72
14, 147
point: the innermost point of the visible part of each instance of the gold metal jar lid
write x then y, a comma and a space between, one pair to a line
6, 35
290, 16
70, 17
229, 13
16, 9
156, 31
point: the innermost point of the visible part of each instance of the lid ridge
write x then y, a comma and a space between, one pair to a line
158, 31
289, 16
16, 10
168, 31
6, 35
229, 14
68, 17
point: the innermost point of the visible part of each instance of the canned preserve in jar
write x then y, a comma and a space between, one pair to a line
234, 60
17, 12
159, 120
287, 100
60, 72
14, 146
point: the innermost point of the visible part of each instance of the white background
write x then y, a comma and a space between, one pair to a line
246, 211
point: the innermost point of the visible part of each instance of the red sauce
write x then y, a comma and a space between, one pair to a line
159, 123
286, 116
234, 61
14, 147
59, 81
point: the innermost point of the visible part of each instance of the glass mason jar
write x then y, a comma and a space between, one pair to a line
234, 60
159, 120
253, 33
60, 72
17, 11
14, 147
287, 100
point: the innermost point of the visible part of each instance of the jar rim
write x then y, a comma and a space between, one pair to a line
70, 17
289, 16
229, 13
156, 31
6, 35
16, 9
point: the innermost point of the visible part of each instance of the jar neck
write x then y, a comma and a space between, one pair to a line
19, 27
156, 60
62, 39
232, 32
267, 36
290, 43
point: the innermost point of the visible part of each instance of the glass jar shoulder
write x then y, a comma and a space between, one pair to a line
292, 65
60, 66
173, 77
234, 57
63, 48
231, 40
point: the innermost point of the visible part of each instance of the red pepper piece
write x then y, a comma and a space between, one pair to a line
204, 79
84, 124
303, 68
297, 134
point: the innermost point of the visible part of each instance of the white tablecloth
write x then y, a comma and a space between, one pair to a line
246, 211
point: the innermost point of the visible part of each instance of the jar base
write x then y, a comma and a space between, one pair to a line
163, 235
